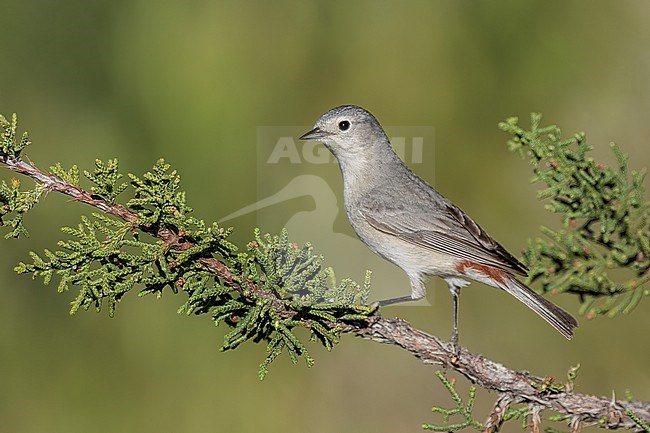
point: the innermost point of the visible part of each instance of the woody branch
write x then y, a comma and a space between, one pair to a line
512, 386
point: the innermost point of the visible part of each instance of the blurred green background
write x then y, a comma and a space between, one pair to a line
192, 81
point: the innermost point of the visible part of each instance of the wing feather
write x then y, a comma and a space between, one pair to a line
438, 225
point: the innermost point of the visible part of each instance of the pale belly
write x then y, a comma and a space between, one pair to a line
413, 259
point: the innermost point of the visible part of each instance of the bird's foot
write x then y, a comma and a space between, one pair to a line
455, 348
397, 300
375, 308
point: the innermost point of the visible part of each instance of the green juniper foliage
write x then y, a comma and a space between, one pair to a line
106, 257
9, 145
520, 413
105, 178
295, 275
602, 250
158, 200
14, 203
642, 424
71, 176
464, 410
511, 412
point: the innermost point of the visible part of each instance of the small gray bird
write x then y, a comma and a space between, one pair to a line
407, 222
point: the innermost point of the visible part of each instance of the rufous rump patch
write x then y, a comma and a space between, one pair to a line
493, 273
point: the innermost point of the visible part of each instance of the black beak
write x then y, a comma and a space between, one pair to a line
314, 134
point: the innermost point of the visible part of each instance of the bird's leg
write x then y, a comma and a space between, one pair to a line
455, 284
418, 291
397, 300
455, 292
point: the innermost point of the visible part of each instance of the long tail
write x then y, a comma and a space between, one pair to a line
554, 315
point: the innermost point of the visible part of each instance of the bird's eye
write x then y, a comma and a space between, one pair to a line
344, 125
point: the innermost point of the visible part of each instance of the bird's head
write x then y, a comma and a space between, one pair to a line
348, 130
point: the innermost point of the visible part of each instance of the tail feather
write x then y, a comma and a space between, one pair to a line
554, 315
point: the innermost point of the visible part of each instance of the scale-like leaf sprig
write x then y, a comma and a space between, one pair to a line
464, 410
602, 250
9, 145
158, 199
272, 289
295, 275
102, 258
14, 205
105, 177
71, 176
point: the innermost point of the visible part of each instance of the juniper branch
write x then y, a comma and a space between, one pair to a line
172, 240
258, 293
605, 220
516, 386
266, 308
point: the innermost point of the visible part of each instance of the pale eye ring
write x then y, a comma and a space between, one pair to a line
344, 125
